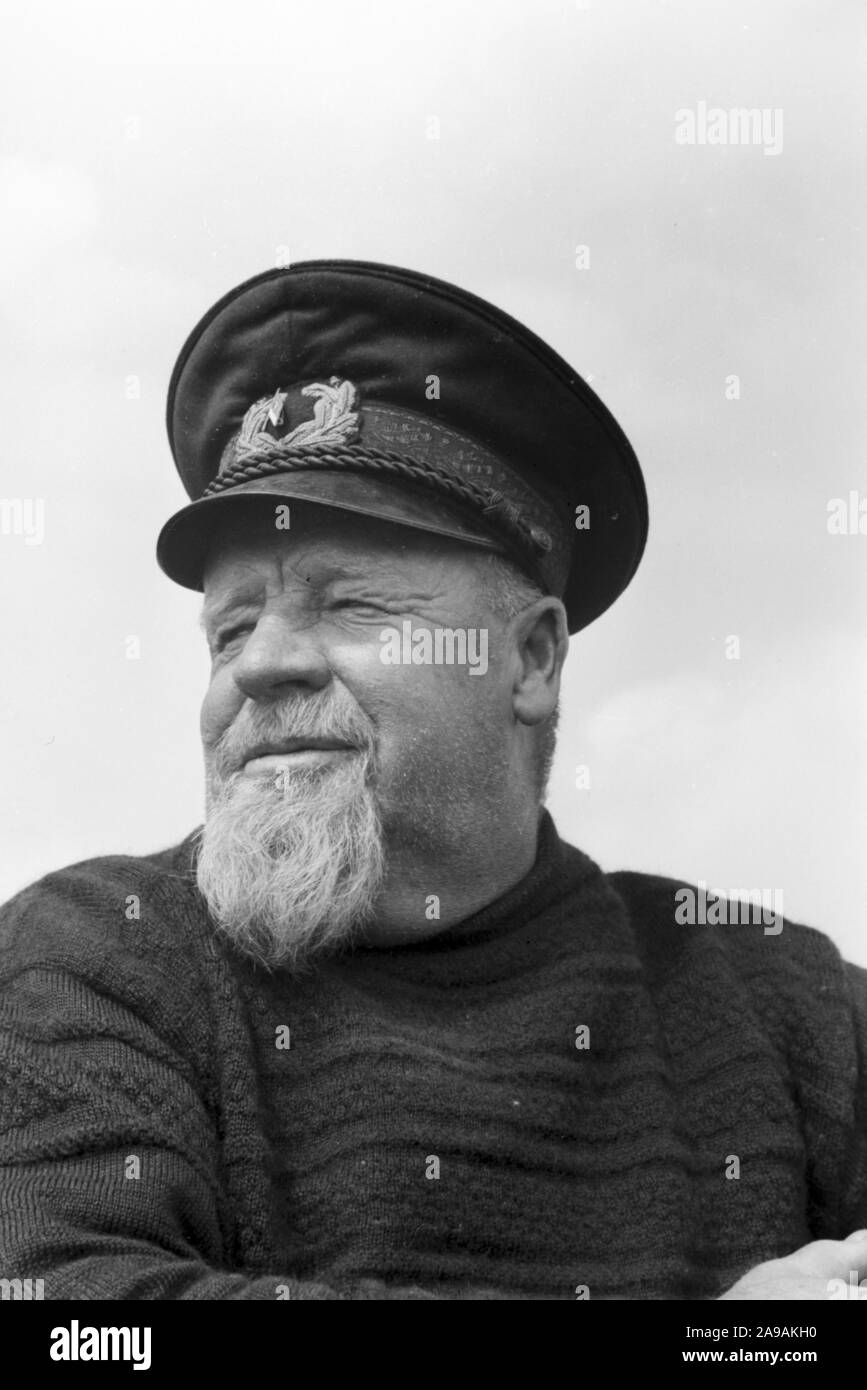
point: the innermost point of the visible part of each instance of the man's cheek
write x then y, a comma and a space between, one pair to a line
220, 707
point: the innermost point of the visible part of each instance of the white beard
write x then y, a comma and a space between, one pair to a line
291, 866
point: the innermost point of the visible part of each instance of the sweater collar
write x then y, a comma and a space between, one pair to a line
558, 868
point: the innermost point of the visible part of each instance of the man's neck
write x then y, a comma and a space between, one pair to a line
421, 897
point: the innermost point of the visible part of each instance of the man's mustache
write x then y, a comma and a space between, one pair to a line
297, 721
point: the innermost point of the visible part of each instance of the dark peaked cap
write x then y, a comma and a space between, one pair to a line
391, 394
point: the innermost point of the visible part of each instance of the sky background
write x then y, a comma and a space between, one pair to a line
154, 156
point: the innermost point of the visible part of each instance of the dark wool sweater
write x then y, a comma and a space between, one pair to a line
435, 1127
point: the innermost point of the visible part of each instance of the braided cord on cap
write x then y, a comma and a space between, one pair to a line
533, 542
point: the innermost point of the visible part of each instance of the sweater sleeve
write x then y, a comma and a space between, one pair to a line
854, 1203
110, 1183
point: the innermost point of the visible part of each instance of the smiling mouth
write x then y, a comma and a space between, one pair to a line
267, 755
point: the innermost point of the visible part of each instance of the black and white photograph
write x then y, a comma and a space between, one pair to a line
433, 523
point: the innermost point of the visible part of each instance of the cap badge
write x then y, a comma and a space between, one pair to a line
335, 419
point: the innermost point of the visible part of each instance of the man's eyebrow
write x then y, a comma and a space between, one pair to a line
351, 573
210, 615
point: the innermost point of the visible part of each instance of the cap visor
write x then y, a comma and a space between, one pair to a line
183, 542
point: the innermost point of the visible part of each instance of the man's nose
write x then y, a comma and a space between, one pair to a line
279, 652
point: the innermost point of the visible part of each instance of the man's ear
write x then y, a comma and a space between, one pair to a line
541, 640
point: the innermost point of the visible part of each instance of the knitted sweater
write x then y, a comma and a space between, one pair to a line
436, 1121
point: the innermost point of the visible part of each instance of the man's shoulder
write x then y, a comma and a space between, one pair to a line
113, 947
676, 924
117, 898
174, 864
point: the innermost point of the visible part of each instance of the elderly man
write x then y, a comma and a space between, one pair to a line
375, 1031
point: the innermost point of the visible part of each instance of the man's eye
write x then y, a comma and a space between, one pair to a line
357, 604
229, 634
